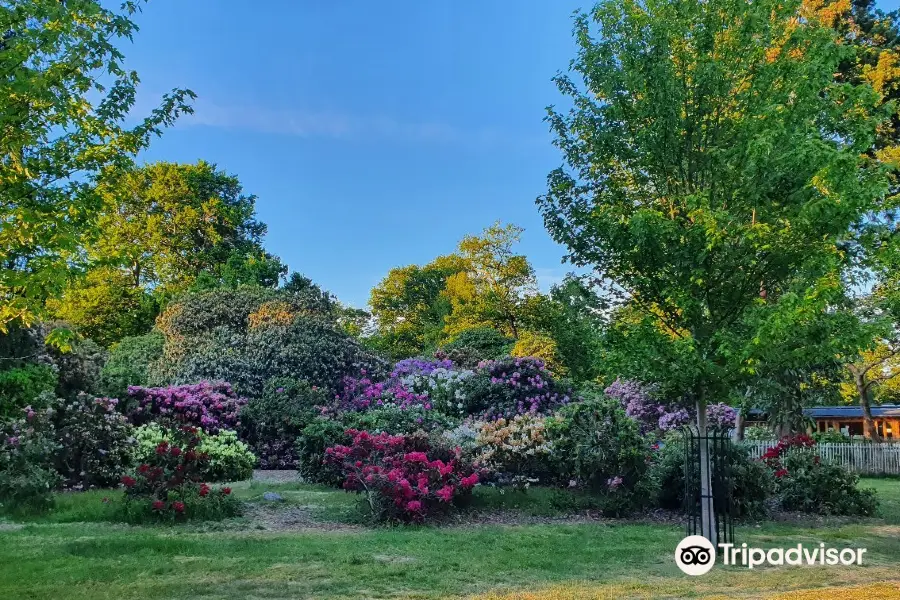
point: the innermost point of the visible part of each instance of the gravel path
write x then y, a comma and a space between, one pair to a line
275, 476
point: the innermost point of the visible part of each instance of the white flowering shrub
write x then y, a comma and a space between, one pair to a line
444, 388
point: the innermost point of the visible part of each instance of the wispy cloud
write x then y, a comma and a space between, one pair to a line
336, 125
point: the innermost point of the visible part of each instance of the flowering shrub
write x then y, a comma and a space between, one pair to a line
640, 403
242, 336
27, 450
444, 387
208, 405
324, 432
772, 456
96, 441
272, 422
804, 482
596, 445
676, 419
512, 386
464, 436
227, 458
364, 394
418, 366
400, 483
169, 485
720, 415
516, 450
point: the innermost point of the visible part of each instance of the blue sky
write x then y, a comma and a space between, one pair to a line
375, 135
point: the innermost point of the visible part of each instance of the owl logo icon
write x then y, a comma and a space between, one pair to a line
695, 555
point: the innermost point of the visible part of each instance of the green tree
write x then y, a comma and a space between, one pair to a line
165, 228
494, 289
409, 306
714, 166
64, 99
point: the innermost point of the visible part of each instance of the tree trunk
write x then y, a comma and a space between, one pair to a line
865, 401
707, 507
739, 426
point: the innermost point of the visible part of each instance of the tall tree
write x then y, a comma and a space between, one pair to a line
164, 228
494, 289
714, 165
409, 306
64, 98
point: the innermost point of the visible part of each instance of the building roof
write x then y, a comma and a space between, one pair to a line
852, 412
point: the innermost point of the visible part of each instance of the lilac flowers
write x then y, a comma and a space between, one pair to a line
210, 406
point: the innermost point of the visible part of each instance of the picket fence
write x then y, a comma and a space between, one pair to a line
867, 458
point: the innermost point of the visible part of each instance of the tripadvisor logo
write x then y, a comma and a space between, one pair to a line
695, 555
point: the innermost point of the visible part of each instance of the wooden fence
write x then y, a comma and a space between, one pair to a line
867, 458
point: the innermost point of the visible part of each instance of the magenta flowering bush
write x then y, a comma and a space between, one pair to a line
210, 406
512, 386
361, 394
398, 478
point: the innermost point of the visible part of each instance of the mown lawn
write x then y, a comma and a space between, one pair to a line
74, 554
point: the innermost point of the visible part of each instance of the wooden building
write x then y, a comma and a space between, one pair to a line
849, 420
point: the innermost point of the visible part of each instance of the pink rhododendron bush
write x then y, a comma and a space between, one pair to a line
400, 477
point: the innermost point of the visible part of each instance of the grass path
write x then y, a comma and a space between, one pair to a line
80, 560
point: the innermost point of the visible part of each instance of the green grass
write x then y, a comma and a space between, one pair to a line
58, 557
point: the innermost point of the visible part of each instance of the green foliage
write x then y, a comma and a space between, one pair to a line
570, 316
751, 482
714, 165
65, 99
105, 306
228, 459
493, 290
95, 439
27, 476
129, 364
315, 438
409, 306
252, 335
471, 346
832, 436
78, 370
598, 446
272, 422
810, 484
542, 346
243, 268
21, 386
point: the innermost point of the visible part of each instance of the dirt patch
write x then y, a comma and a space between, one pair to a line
261, 517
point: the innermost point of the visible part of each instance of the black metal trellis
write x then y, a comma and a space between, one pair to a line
718, 442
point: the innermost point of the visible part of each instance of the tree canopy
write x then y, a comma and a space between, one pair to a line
64, 98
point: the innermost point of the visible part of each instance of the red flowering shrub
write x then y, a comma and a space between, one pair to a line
169, 485
773, 455
399, 480
806, 483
